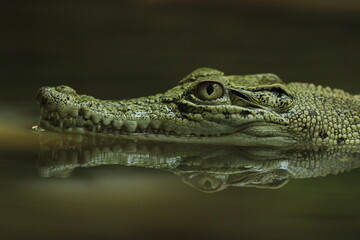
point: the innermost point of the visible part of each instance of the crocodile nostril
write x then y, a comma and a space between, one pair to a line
65, 89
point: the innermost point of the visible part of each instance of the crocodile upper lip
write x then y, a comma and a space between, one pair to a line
61, 110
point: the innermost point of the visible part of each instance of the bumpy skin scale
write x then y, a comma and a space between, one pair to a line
208, 107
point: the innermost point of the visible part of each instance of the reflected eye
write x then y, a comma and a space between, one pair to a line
207, 183
209, 90
204, 182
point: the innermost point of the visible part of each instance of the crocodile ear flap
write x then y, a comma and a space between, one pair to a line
201, 72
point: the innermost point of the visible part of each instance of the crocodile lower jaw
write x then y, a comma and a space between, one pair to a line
77, 122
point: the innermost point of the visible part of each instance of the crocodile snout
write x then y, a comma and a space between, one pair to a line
55, 97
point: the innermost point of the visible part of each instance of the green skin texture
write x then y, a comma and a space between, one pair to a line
253, 110
204, 167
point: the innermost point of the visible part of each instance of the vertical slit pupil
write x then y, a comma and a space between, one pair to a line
209, 89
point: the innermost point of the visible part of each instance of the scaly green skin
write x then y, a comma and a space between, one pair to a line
250, 110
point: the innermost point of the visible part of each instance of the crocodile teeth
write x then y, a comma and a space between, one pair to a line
117, 123
106, 121
85, 113
72, 122
99, 128
155, 124
79, 121
62, 113
85, 121
130, 126
143, 124
74, 113
95, 118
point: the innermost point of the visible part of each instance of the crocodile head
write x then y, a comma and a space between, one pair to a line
206, 106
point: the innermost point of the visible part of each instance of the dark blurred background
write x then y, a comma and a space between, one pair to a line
122, 49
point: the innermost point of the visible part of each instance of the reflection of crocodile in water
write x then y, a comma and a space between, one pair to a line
205, 167
209, 107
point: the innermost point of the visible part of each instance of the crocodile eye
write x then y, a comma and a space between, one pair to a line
209, 90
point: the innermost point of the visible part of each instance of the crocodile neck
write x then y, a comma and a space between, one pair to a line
324, 115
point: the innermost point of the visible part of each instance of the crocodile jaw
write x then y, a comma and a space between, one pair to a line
63, 110
150, 118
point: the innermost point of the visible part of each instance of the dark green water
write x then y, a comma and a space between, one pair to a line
119, 50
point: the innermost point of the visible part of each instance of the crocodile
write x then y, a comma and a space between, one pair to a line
208, 106
201, 166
